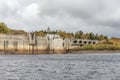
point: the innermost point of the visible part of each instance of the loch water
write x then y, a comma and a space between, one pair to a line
60, 67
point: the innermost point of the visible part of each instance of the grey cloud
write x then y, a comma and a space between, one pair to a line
69, 15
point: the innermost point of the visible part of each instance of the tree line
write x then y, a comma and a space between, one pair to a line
61, 33
78, 35
91, 36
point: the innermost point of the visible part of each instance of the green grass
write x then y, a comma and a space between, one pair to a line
99, 47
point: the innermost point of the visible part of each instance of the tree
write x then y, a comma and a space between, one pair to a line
79, 34
4, 29
40, 33
92, 37
101, 37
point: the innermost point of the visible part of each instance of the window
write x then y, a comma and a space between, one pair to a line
75, 41
90, 42
93, 42
85, 42
80, 41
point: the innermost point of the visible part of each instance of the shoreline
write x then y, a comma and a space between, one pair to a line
69, 52
94, 51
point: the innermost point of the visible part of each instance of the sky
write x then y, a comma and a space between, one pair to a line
98, 16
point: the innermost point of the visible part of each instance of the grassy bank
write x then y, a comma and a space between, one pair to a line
99, 47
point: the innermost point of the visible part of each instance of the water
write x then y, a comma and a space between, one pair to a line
60, 67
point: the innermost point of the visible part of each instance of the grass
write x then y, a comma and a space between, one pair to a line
99, 47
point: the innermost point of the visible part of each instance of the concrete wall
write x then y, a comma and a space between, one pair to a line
26, 44
81, 42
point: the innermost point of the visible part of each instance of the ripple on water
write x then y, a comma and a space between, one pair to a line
60, 67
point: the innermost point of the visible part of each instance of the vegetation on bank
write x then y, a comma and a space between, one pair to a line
4, 29
99, 47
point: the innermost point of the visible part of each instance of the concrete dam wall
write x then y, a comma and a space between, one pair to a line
32, 44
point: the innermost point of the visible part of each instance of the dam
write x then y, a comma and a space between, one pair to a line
32, 44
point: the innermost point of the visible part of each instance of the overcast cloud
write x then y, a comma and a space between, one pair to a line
98, 16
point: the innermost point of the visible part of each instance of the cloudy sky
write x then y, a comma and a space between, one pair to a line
98, 16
